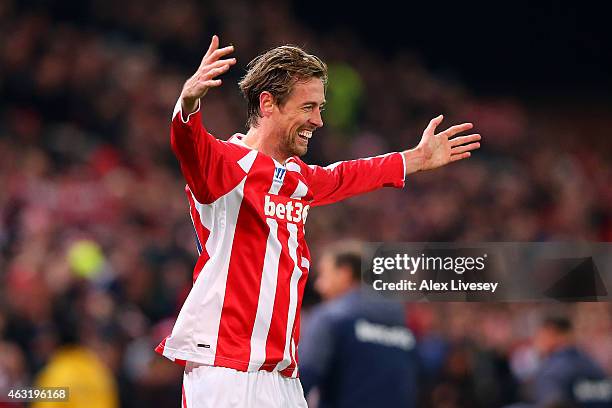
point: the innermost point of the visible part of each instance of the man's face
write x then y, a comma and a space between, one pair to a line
300, 116
545, 340
331, 281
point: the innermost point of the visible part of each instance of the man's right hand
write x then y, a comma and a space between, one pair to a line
204, 78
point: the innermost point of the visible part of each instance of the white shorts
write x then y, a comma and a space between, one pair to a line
206, 386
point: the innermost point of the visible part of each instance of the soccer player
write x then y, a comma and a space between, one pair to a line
249, 199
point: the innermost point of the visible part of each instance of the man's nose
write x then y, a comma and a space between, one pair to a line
315, 118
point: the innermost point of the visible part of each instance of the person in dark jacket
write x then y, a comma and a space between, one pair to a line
568, 377
356, 349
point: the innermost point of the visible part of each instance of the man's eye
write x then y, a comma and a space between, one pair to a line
322, 108
307, 108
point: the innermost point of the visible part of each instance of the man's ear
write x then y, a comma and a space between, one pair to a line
266, 104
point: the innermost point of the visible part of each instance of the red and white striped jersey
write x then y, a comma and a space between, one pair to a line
249, 211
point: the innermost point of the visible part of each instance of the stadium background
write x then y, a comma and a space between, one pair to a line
95, 236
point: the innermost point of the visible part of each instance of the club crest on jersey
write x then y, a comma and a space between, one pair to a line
279, 174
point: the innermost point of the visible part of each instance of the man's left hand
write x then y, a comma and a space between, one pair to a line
438, 149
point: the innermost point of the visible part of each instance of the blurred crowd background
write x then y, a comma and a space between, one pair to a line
96, 245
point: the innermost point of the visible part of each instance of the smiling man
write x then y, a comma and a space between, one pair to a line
249, 198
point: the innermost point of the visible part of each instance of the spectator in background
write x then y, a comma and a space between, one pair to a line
356, 349
89, 381
567, 377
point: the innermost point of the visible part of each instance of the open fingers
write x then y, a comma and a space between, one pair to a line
221, 52
214, 52
431, 127
453, 130
212, 83
465, 148
464, 139
216, 71
214, 44
218, 64
460, 156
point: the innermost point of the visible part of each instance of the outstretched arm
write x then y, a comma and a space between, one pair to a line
349, 178
206, 76
437, 150
201, 155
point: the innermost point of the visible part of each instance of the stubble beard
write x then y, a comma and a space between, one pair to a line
292, 148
